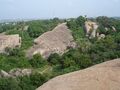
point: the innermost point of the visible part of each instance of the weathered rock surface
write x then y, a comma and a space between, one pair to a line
56, 41
4, 74
101, 36
10, 41
20, 72
16, 72
105, 76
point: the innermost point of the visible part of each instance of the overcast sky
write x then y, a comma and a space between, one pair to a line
30, 9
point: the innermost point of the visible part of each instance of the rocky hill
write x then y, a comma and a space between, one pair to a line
105, 76
56, 41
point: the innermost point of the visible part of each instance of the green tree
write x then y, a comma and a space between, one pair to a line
80, 21
38, 79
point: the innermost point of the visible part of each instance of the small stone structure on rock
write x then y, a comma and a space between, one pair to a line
55, 41
10, 41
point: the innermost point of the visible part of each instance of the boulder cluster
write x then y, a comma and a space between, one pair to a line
15, 73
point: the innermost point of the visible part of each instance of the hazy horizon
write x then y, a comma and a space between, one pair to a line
44, 9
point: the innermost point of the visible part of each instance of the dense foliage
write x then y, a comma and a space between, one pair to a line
36, 28
22, 83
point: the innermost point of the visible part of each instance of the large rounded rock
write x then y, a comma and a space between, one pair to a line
105, 76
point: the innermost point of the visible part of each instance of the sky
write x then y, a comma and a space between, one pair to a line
43, 9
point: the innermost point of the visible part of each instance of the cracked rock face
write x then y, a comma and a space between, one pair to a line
105, 76
56, 41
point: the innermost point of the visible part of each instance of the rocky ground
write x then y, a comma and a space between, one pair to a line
105, 76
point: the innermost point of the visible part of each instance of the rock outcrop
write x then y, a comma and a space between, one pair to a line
25, 28
4, 74
105, 76
91, 29
10, 41
56, 41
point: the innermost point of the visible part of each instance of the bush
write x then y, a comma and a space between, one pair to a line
37, 61
31, 82
67, 62
23, 83
9, 62
54, 59
38, 79
84, 61
9, 84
